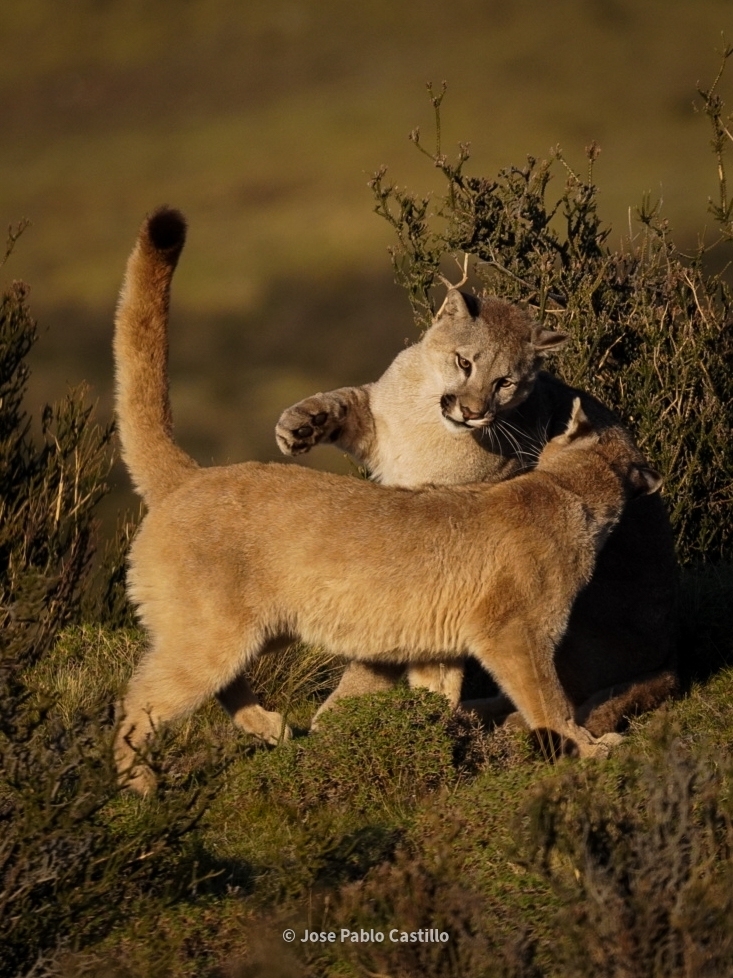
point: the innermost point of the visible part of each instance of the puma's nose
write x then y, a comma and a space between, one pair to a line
469, 415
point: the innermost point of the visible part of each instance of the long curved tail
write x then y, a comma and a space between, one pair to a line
156, 464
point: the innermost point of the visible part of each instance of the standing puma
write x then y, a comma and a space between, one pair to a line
231, 561
470, 403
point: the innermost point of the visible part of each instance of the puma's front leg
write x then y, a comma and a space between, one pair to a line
521, 660
342, 418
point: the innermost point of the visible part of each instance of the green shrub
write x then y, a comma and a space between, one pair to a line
73, 861
106, 602
652, 329
47, 496
642, 865
376, 752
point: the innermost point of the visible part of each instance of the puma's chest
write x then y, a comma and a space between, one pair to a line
423, 451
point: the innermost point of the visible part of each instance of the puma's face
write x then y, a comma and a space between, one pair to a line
486, 356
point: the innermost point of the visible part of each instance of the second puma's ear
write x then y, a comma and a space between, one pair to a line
578, 425
546, 340
645, 480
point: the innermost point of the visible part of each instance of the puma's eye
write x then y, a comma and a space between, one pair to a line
464, 364
504, 382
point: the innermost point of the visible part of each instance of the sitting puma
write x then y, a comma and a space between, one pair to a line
231, 561
470, 403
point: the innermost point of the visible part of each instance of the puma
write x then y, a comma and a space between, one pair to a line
230, 562
470, 403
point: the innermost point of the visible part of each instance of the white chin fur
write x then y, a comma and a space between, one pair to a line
455, 427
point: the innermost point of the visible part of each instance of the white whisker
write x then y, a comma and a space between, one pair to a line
512, 439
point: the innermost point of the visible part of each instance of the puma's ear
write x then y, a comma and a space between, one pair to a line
458, 305
546, 340
644, 480
578, 425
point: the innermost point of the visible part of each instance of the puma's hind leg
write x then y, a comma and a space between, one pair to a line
159, 691
438, 678
175, 677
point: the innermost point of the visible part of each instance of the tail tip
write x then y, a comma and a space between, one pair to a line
165, 230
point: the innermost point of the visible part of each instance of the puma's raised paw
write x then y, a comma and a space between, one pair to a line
309, 422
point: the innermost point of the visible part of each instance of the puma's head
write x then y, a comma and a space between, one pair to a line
613, 444
486, 354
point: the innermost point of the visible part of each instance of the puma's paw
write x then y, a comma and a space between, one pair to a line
140, 779
305, 424
575, 741
272, 728
601, 747
266, 725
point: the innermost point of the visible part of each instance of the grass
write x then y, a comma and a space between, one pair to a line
397, 814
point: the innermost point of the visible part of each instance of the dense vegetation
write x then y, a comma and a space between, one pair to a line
653, 328
397, 814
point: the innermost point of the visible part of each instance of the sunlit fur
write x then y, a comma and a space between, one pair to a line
232, 561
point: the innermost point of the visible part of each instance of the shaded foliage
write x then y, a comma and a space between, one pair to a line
652, 329
69, 866
644, 868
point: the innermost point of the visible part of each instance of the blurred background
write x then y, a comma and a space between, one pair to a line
263, 121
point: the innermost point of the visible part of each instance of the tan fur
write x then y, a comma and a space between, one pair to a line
428, 421
231, 561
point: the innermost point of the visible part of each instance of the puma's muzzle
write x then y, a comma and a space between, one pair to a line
465, 415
